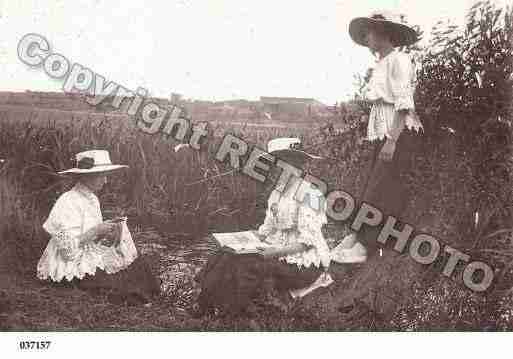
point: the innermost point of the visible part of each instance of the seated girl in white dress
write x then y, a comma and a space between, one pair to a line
296, 262
85, 249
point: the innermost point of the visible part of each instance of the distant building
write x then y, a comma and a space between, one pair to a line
292, 105
54, 100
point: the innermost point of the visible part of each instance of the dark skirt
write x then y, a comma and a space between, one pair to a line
231, 282
381, 282
386, 187
133, 285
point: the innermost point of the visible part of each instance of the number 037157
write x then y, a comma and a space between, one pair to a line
34, 345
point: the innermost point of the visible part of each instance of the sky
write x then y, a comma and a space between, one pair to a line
207, 49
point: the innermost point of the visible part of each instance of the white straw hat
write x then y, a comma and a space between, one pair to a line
95, 161
400, 33
288, 145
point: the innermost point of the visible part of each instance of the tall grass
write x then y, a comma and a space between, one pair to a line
179, 194
19, 227
155, 191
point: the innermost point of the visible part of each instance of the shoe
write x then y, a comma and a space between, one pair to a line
356, 254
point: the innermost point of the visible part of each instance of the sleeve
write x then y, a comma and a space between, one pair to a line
368, 94
269, 225
370, 90
401, 81
310, 223
64, 225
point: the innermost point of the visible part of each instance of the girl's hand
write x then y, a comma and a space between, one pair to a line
105, 229
107, 233
276, 252
107, 242
387, 151
268, 252
262, 238
103, 233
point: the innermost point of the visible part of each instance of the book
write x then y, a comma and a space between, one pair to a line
118, 219
245, 242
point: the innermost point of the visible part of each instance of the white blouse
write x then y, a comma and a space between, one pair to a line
391, 88
284, 212
75, 212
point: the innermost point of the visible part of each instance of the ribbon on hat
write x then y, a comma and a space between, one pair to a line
378, 17
85, 163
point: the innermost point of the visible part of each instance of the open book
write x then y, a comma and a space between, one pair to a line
240, 242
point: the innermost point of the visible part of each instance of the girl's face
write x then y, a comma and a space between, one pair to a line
372, 39
95, 182
377, 40
296, 161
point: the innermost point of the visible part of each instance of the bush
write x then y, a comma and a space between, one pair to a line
461, 177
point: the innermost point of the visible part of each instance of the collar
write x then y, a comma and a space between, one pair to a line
84, 191
389, 55
291, 188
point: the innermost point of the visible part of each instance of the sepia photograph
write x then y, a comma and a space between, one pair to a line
255, 166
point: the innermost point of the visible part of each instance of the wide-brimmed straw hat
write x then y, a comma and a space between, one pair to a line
286, 146
400, 33
93, 162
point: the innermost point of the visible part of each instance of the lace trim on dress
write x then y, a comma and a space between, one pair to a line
381, 122
65, 246
284, 212
309, 227
65, 257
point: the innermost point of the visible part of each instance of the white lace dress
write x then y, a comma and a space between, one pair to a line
75, 212
391, 88
285, 212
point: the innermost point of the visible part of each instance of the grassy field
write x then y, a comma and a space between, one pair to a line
460, 181
171, 216
169, 213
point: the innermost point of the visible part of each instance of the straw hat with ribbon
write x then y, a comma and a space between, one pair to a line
287, 149
93, 162
289, 146
400, 33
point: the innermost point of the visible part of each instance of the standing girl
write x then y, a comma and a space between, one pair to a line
391, 121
